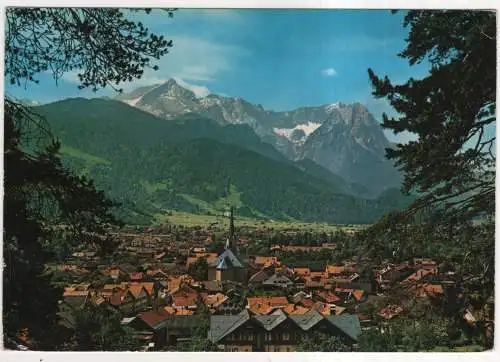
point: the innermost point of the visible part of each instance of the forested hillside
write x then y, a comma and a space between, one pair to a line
151, 165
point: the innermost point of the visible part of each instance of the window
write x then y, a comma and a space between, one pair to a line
286, 336
250, 336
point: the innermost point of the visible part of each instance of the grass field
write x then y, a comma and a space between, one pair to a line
190, 220
91, 159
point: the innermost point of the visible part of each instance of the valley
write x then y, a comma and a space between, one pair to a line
195, 164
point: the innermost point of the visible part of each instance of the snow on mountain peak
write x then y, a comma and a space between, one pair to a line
307, 128
332, 106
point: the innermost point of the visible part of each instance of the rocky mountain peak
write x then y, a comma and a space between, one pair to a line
337, 136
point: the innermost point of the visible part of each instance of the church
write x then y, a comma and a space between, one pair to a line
228, 265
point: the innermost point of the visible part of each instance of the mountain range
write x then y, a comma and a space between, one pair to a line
343, 138
160, 148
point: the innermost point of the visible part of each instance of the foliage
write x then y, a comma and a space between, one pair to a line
321, 342
199, 269
451, 166
41, 198
183, 156
452, 110
48, 209
199, 341
99, 329
406, 335
101, 44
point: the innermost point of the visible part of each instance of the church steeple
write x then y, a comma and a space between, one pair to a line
231, 226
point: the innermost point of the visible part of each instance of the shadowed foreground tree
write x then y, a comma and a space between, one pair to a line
41, 196
452, 111
199, 269
99, 329
451, 165
320, 342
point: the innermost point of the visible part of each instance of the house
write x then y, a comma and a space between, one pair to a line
116, 274
180, 328
130, 297
321, 308
258, 278
143, 295
157, 274
164, 329
299, 296
277, 281
347, 293
277, 332
392, 274
424, 263
69, 304
328, 297
213, 286
418, 276
150, 327
303, 272
210, 257
265, 304
185, 300
213, 301
426, 290
390, 311
266, 261
136, 276
332, 270
294, 309
311, 284
307, 302
123, 300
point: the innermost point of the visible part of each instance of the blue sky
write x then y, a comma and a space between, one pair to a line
281, 59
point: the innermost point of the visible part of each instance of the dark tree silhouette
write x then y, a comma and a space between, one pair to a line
42, 198
451, 166
452, 163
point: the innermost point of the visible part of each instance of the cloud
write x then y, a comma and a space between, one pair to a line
191, 60
329, 72
197, 59
198, 90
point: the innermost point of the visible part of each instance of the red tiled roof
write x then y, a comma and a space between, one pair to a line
153, 318
117, 298
308, 303
328, 297
358, 294
418, 275
213, 300
390, 311
335, 269
317, 274
293, 309
321, 308
271, 301
266, 260
135, 289
185, 300
136, 276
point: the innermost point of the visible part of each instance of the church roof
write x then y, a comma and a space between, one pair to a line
227, 260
